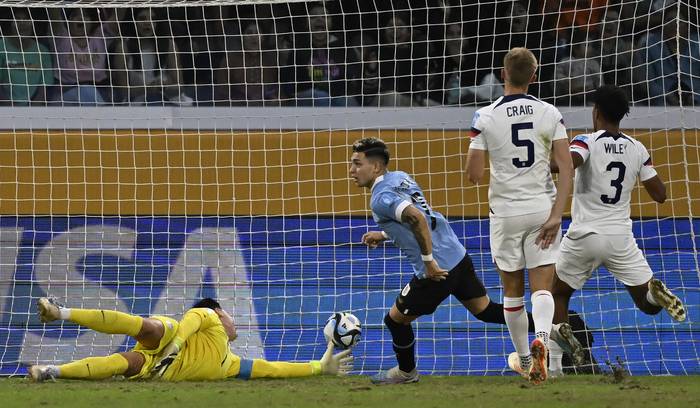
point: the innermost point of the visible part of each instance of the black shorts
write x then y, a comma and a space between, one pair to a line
422, 296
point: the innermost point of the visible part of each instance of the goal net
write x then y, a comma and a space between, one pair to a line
154, 156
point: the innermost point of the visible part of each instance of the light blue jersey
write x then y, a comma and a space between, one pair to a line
391, 194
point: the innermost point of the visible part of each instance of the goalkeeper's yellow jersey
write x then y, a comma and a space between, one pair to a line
205, 354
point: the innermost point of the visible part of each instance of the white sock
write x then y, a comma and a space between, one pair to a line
64, 313
542, 314
650, 299
516, 320
555, 355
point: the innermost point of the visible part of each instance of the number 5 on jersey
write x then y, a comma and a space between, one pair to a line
515, 130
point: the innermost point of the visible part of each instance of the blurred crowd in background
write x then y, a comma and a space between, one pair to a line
347, 53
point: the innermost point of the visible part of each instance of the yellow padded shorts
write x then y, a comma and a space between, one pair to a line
149, 356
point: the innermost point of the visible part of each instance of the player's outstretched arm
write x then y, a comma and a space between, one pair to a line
656, 189
562, 157
330, 364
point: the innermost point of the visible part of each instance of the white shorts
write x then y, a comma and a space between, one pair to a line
619, 253
513, 245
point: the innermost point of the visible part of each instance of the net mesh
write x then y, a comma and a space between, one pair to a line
153, 156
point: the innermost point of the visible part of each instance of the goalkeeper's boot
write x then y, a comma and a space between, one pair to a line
40, 373
565, 338
666, 299
395, 376
538, 369
49, 310
514, 364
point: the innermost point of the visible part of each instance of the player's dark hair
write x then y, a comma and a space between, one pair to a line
208, 303
372, 147
612, 102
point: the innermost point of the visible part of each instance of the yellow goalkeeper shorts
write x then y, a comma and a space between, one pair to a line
149, 356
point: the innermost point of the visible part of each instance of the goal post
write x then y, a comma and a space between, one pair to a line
239, 189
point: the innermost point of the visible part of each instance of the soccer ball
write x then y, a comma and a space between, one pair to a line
343, 329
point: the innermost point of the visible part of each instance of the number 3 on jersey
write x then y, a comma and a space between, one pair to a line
617, 183
515, 130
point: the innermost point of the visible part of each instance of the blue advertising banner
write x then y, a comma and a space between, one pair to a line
282, 277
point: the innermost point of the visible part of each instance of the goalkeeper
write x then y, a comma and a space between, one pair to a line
195, 348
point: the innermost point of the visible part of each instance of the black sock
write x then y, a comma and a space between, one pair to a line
494, 314
403, 342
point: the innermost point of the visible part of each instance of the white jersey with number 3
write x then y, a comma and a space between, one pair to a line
518, 131
611, 165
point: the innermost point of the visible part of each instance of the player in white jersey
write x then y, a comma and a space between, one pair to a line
520, 133
608, 164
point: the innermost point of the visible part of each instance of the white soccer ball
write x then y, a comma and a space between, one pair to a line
343, 329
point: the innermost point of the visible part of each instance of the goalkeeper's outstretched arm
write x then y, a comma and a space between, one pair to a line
331, 364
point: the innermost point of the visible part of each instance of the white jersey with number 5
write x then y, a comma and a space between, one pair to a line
518, 131
603, 183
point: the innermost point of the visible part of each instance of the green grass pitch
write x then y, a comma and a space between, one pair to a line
356, 391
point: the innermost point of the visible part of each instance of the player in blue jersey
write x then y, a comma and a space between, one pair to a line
440, 262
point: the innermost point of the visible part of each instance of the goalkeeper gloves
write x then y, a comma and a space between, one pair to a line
166, 357
336, 364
